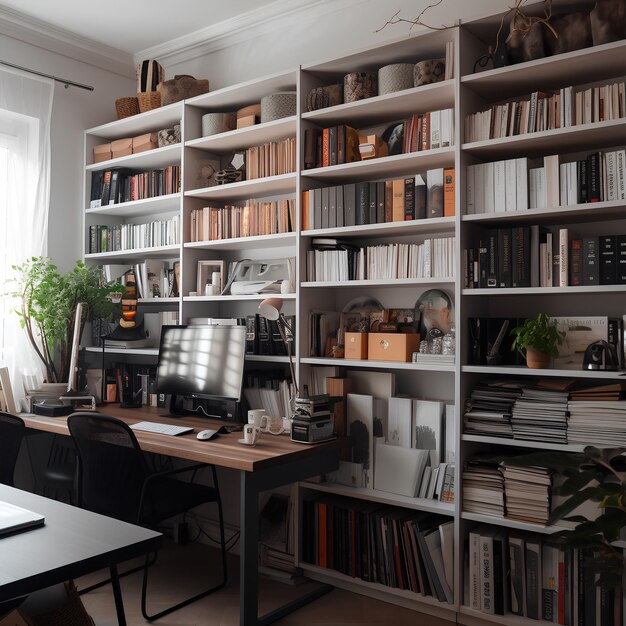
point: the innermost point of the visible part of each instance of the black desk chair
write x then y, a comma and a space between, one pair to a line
114, 480
59, 474
12, 432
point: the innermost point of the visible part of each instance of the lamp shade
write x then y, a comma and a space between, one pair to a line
270, 308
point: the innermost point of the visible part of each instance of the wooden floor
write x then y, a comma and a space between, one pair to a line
181, 571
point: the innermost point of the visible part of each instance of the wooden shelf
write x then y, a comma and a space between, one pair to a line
397, 165
396, 282
151, 159
148, 206
385, 365
576, 213
256, 188
521, 370
240, 138
532, 291
520, 443
560, 140
281, 240
392, 106
373, 495
160, 252
390, 229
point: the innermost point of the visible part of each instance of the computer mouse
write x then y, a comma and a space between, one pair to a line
205, 435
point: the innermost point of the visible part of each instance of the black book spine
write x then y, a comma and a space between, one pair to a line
251, 334
362, 203
483, 264
492, 268
621, 259
582, 181
341, 144
380, 202
332, 207
265, 342
373, 204
498, 580
504, 257
575, 262
409, 198
325, 206
341, 219
93, 239
608, 260
594, 180
420, 201
332, 145
591, 266
471, 260
613, 334
278, 345
349, 195
318, 150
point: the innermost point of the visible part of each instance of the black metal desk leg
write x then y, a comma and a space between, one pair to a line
117, 594
249, 555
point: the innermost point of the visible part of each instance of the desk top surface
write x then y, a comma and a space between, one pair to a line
72, 542
224, 451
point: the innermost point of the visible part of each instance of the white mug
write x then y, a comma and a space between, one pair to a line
258, 417
251, 433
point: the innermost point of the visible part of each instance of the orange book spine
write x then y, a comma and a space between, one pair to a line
326, 147
425, 132
448, 192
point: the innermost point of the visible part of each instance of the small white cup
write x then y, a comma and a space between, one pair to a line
251, 434
258, 417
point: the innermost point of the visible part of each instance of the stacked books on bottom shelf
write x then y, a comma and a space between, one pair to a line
537, 578
392, 546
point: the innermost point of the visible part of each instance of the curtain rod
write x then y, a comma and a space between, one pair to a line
67, 83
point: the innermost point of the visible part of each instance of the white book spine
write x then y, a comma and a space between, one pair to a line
542, 196
499, 186
490, 198
446, 128
469, 195
621, 174
479, 188
563, 180
521, 168
550, 259
563, 257
611, 187
510, 181
572, 183
435, 129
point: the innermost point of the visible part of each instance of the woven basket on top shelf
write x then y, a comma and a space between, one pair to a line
125, 107
148, 100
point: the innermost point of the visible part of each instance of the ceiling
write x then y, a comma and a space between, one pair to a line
132, 25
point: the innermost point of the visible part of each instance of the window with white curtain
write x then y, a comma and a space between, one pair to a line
25, 114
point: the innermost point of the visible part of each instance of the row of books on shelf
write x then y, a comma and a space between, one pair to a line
263, 336
145, 389
124, 185
391, 546
510, 185
534, 256
380, 202
105, 238
337, 260
271, 159
269, 389
542, 111
153, 278
548, 412
538, 578
250, 220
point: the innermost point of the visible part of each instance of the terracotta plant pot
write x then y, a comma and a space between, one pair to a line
537, 360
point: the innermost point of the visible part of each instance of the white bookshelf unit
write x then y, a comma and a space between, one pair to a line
465, 93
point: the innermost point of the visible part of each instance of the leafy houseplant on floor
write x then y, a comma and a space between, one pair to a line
48, 302
538, 341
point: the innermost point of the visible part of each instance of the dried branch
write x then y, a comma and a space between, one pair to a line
396, 19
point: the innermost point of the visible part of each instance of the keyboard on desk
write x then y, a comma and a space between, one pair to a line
161, 429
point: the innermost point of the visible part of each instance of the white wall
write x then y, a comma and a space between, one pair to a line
73, 111
301, 40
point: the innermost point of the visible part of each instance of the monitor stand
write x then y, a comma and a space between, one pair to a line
215, 408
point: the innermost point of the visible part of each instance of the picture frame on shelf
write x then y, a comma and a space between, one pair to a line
206, 284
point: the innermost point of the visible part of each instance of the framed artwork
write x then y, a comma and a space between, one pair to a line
206, 286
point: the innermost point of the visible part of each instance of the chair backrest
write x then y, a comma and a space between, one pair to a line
12, 431
111, 465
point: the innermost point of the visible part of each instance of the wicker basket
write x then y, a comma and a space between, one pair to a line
148, 100
125, 107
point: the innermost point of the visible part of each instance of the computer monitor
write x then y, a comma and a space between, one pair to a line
204, 362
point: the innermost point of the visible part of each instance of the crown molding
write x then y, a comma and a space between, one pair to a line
43, 35
270, 18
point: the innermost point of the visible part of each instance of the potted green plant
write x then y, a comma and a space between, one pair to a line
538, 340
48, 302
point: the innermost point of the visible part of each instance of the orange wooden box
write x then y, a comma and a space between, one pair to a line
392, 346
122, 147
102, 153
146, 142
355, 346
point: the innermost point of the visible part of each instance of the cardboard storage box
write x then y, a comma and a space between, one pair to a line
355, 346
146, 142
248, 120
102, 153
122, 147
392, 346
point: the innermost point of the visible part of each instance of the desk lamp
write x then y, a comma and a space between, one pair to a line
270, 309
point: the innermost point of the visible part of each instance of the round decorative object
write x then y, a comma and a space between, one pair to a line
251, 109
277, 105
427, 72
359, 85
322, 97
435, 311
169, 136
215, 123
395, 77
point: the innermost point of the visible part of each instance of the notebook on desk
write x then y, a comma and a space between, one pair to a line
14, 518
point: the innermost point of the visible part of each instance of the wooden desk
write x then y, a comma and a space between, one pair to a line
275, 461
72, 542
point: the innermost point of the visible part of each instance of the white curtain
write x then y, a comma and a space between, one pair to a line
25, 112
